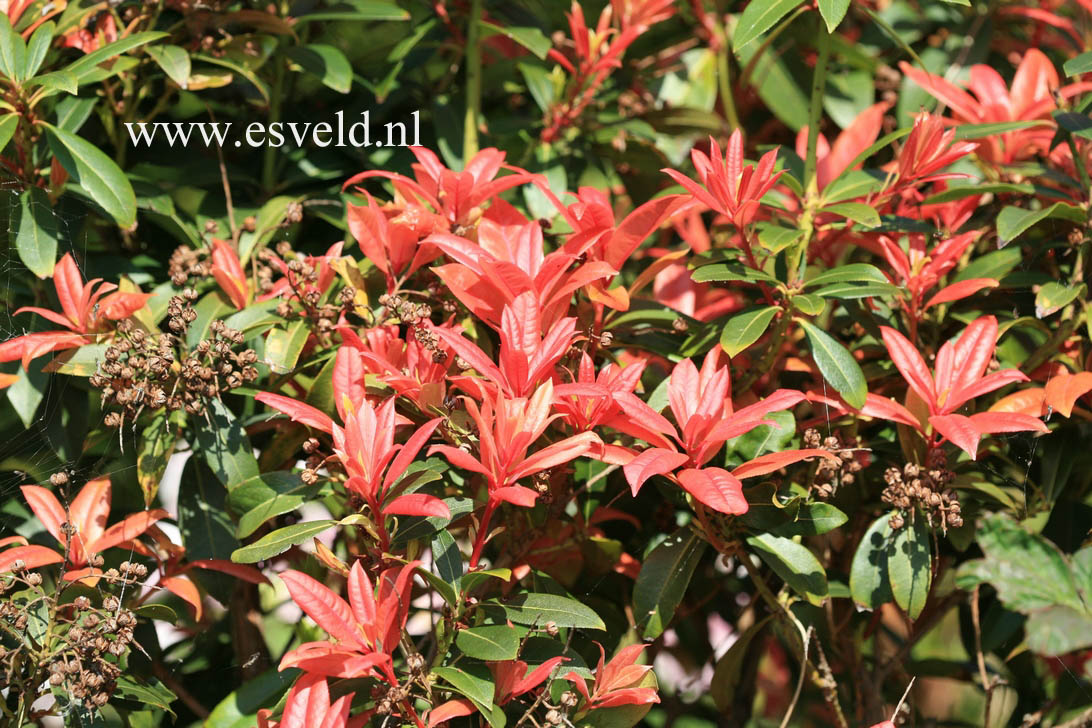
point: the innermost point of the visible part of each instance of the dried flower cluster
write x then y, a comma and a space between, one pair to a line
926, 488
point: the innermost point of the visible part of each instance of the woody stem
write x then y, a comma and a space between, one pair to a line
473, 82
818, 85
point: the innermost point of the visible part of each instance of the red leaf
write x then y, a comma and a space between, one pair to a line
1063, 391
770, 462
716, 488
887, 409
126, 530
417, 504
320, 604
47, 508
1026, 401
517, 495
33, 556
990, 423
185, 590
960, 430
654, 461
239, 571
909, 363
961, 290
305, 414
451, 709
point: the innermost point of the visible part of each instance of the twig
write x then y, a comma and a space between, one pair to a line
987, 682
830, 686
800, 681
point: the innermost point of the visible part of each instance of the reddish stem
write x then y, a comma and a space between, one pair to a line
483, 532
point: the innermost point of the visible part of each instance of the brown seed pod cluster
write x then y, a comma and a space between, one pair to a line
306, 301
924, 487
842, 470
188, 265
142, 370
96, 639
416, 316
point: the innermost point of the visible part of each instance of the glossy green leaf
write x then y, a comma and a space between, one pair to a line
1079, 64
225, 447
529, 37
8, 124
279, 541
837, 365
34, 228
174, 61
473, 681
540, 609
284, 346
744, 329
909, 566
325, 62
95, 173
491, 642
869, 584
13, 50
37, 49
794, 563
1013, 222
88, 64
833, 11
663, 579
849, 273
148, 691
856, 211
240, 708
758, 17
857, 290
1053, 297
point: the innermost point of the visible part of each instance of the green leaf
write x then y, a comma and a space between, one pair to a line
88, 64
279, 541
1013, 222
81, 362
8, 125
775, 238
837, 365
1076, 124
473, 681
794, 563
962, 191
240, 708
857, 290
358, 10
539, 609
259, 489
225, 446
174, 61
491, 642
663, 579
833, 11
13, 50
529, 37
156, 445
150, 692
37, 49
539, 83
207, 531
34, 227
731, 272
1059, 630
764, 438
809, 304
995, 264
279, 504
910, 566
758, 17
852, 184
1027, 571
284, 346
981, 131
851, 273
855, 211
1080, 64
325, 62
27, 393
745, 328
95, 173
448, 560
1053, 297
158, 612
812, 519
869, 584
